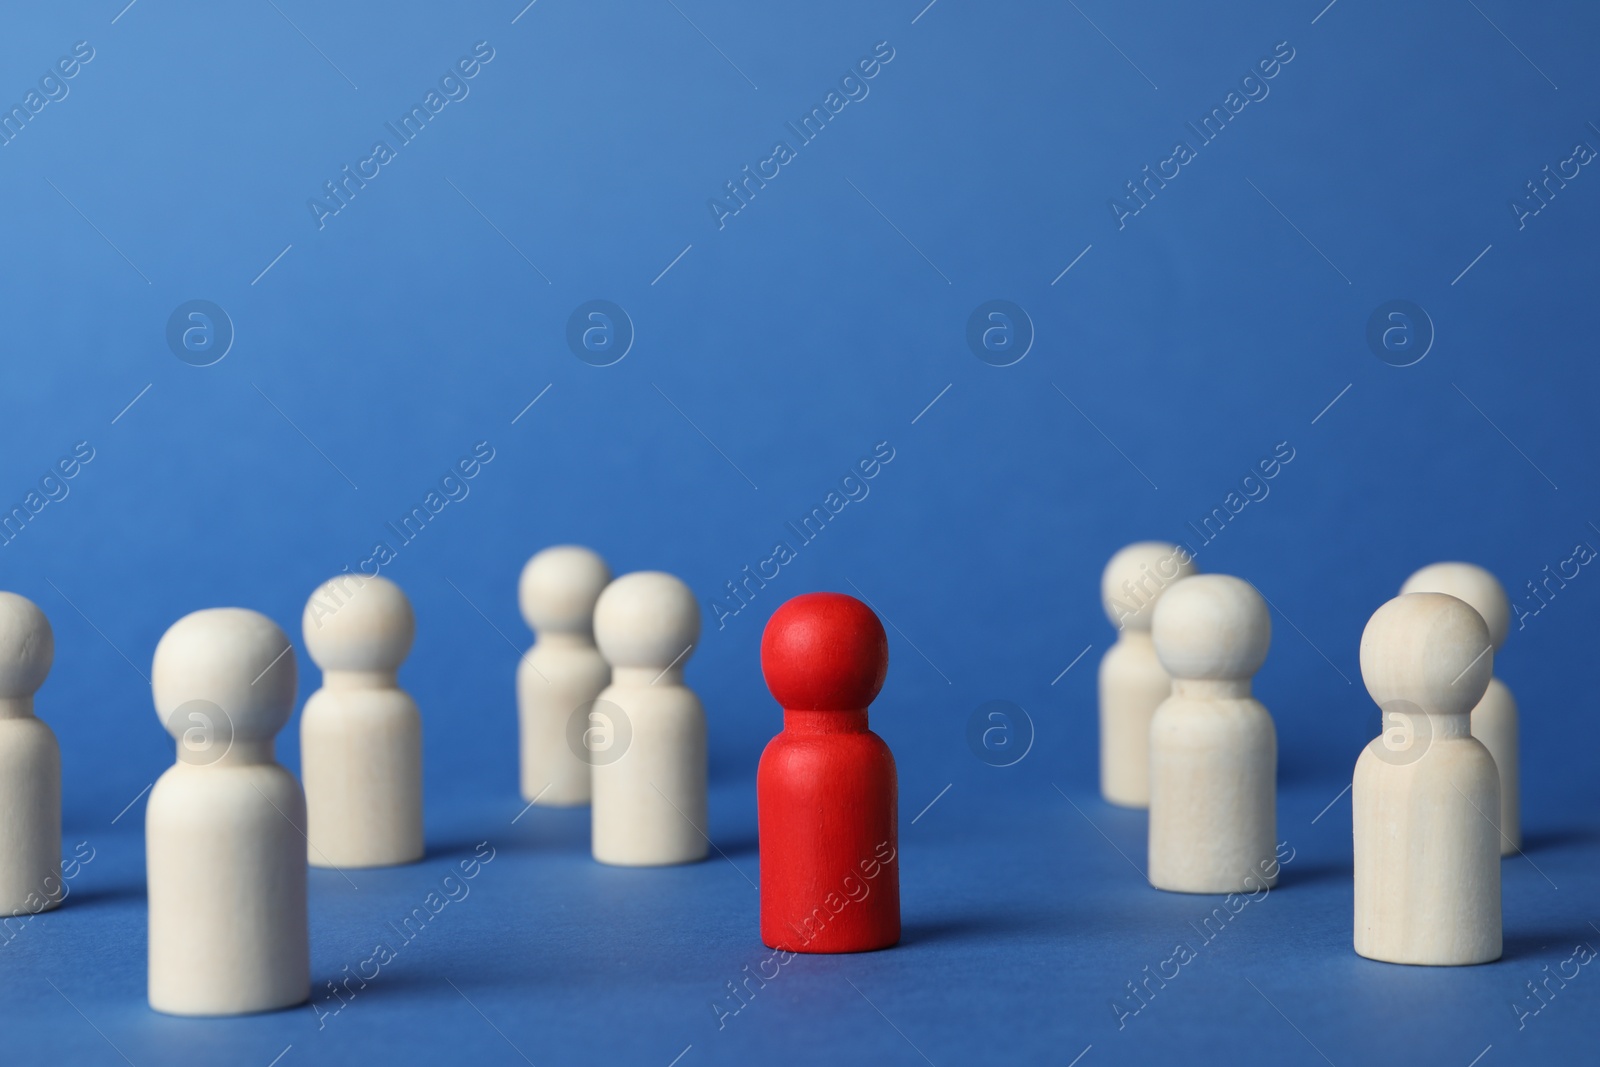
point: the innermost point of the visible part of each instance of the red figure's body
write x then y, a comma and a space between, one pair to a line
826, 790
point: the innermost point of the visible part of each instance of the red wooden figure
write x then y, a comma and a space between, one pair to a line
826, 791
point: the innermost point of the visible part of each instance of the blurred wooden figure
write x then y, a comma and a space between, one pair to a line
30, 765
561, 675
361, 734
1132, 680
1494, 720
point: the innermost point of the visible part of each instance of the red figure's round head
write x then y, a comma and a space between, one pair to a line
824, 652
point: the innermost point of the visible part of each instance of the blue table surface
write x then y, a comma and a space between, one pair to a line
1025, 920
1158, 344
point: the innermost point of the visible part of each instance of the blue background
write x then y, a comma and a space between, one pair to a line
774, 352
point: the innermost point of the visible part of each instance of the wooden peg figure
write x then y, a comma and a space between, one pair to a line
1213, 748
562, 674
30, 765
826, 791
649, 779
225, 827
1494, 720
1426, 794
1132, 681
361, 734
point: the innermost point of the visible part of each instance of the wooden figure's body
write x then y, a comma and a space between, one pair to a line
555, 680
1494, 720
562, 674
361, 756
1132, 681
30, 766
650, 804
226, 870
1424, 852
361, 734
1213, 772
1132, 685
649, 778
1426, 793
826, 789
225, 851
1213, 748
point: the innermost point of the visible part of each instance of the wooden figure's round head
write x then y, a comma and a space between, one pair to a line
1135, 579
1212, 626
559, 588
27, 647
1427, 649
1469, 582
824, 652
646, 619
231, 662
358, 624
